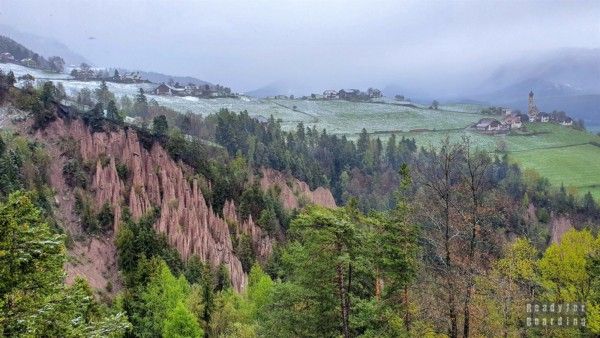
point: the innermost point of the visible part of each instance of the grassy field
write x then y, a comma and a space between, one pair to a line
576, 167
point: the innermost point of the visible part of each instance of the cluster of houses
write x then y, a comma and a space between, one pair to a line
509, 122
201, 91
7, 57
514, 120
348, 94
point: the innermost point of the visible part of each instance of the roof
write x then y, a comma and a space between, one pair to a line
512, 119
484, 122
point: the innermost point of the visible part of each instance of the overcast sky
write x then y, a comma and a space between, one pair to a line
311, 44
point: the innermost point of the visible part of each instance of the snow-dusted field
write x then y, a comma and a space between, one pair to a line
19, 70
337, 116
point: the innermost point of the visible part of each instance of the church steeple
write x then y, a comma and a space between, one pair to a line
532, 110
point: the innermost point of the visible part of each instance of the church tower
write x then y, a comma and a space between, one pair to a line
532, 110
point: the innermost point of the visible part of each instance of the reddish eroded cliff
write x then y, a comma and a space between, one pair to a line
293, 192
156, 181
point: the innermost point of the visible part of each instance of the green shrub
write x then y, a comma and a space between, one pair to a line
83, 207
74, 174
122, 171
105, 218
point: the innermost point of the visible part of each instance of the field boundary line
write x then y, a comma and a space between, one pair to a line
552, 147
298, 111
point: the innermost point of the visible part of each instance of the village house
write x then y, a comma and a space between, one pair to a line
348, 94
488, 124
7, 57
164, 89
374, 93
190, 89
29, 62
544, 117
330, 94
566, 121
513, 121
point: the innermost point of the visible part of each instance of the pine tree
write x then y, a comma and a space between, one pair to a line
112, 112
391, 151
10, 78
140, 107
103, 94
160, 126
362, 145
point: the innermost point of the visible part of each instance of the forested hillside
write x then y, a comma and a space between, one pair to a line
223, 226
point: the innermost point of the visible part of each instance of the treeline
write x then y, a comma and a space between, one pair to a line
364, 169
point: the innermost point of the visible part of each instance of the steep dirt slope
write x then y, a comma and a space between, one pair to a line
293, 192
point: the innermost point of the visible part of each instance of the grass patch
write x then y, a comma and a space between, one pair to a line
577, 166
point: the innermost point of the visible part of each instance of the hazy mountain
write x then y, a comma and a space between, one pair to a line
283, 88
565, 79
17, 50
43, 45
573, 69
159, 78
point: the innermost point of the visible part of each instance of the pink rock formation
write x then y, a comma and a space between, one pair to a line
293, 190
156, 181
558, 226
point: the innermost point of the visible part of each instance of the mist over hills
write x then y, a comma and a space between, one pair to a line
562, 79
566, 79
573, 69
45, 46
159, 78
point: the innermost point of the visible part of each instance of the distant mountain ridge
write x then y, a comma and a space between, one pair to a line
565, 79
17, 50
159, 78
46, 46
571, 68
43, 45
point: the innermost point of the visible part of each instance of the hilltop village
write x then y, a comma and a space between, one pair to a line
514, 119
